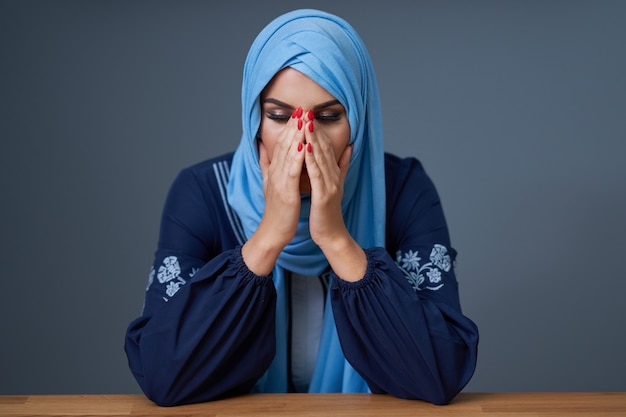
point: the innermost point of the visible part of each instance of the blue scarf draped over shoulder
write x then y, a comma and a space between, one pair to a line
330, 52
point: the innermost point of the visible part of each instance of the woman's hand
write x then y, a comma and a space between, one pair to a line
281, 187
328, 230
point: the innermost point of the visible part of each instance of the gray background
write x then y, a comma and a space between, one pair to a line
517, 110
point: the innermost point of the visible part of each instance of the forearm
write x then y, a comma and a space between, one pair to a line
346, 257
215, 337
261, 251
402, 345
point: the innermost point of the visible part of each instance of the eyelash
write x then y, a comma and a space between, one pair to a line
278, 117
322, 117
328, 117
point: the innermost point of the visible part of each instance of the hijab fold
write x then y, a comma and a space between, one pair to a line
330, 52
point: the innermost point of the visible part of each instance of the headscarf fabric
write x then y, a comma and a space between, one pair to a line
328, 50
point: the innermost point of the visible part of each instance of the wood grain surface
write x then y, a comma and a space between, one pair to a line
594, 404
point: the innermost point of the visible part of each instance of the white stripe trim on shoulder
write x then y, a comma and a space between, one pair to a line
222, 173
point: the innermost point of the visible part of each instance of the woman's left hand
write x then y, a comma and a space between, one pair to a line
326, 224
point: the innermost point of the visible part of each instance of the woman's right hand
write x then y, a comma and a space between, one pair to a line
281, 187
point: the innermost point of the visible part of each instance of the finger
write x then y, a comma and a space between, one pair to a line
323, 154
291, 135
313, 170
288, 157
295, 156
322, 169
344, 161
296, 149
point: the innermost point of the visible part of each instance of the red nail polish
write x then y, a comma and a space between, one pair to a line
310, 115
300, 146
309, 148
311, 127
300, 123
297, 112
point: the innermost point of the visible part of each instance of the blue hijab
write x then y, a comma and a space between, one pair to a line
330, 52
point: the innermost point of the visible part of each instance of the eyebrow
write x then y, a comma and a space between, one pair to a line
287, 106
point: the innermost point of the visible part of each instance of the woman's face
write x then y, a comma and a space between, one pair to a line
290, 89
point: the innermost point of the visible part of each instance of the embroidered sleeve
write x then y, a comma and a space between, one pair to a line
178, 350
169, 274
408, 343
427, 273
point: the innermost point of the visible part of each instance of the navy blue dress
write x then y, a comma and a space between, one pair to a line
207, 330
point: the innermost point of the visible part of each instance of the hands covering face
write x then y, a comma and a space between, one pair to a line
304, 160
303, 149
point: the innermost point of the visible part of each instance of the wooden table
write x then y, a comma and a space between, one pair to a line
466, 405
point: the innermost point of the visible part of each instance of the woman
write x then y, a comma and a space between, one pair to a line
309, 260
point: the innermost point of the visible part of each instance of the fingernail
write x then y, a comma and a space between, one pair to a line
300, 123
309, 148
297, 112
311, 127
300, 146
310, 115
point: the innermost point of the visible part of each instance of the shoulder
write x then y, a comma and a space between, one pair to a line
207, 175
411, 194
209, 167
403, 172
397, 166
415, 216
201, 182
197, 199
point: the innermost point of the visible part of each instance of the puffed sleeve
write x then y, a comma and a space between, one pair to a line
401, 326
208, 325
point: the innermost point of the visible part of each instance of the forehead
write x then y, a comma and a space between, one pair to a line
293, 87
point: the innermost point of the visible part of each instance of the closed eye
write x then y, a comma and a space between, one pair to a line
329, 116
278, 115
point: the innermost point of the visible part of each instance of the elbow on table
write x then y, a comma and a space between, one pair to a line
164, 389
163, 401
159, 391
439, 387
167, 395
436, 396
443, 397
169, 389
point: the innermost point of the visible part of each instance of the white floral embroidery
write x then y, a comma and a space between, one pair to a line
193, 272
439, 256
169, 273
411, 261
169, 270
415, 279
434, 276
172, 288
409, 264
